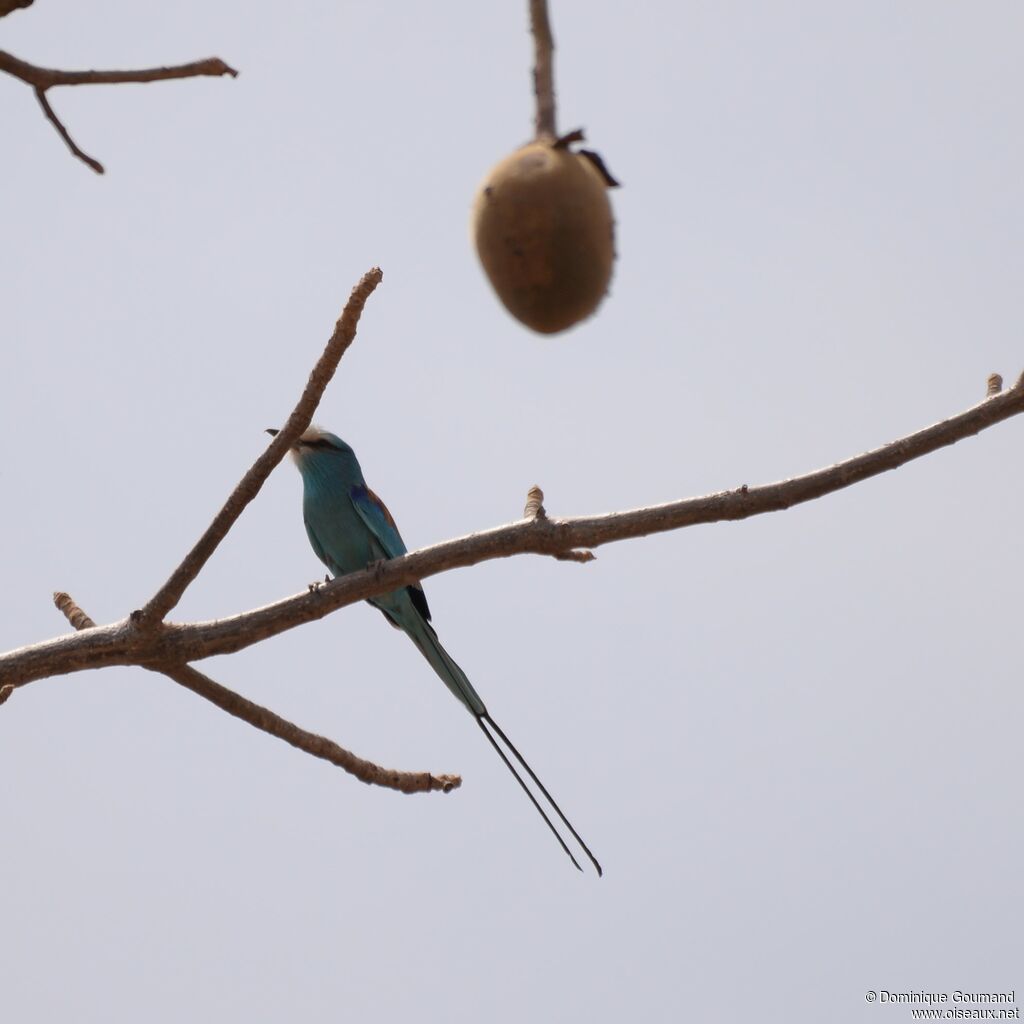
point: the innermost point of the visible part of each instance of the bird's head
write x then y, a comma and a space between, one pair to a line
316, 444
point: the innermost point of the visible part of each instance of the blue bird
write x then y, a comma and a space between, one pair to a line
350, 529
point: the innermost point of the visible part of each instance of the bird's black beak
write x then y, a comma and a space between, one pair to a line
272, 431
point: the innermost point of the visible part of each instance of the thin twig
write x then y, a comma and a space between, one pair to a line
319, 746
249, 486
42, 79
64, 134
543, 70
66, 605
121, 644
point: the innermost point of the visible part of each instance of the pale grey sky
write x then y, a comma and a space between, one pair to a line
794, 742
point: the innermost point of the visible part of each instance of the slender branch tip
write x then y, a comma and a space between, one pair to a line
71, 611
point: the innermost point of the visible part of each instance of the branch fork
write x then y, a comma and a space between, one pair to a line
42, 79
145, 631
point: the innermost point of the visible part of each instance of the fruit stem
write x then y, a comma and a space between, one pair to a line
543, 69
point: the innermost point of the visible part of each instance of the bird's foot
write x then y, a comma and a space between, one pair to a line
317, 584
376, 567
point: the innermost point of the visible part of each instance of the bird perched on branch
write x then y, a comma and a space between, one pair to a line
350, 529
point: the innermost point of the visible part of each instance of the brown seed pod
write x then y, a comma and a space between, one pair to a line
544, 232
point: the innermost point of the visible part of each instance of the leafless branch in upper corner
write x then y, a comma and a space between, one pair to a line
41, 79
543, 70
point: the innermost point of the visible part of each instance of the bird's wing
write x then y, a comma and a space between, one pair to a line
374, 513
386, 538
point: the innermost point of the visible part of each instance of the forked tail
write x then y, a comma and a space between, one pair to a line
423, 635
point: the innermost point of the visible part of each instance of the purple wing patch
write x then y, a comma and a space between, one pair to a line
375, 498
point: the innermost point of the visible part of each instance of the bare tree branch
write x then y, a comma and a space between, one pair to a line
41, 79
264, 719
249, 486
122, 644
319, 746
543, 70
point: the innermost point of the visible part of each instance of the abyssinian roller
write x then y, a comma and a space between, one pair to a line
350, 529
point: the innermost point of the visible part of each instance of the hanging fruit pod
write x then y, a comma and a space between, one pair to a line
543, 229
